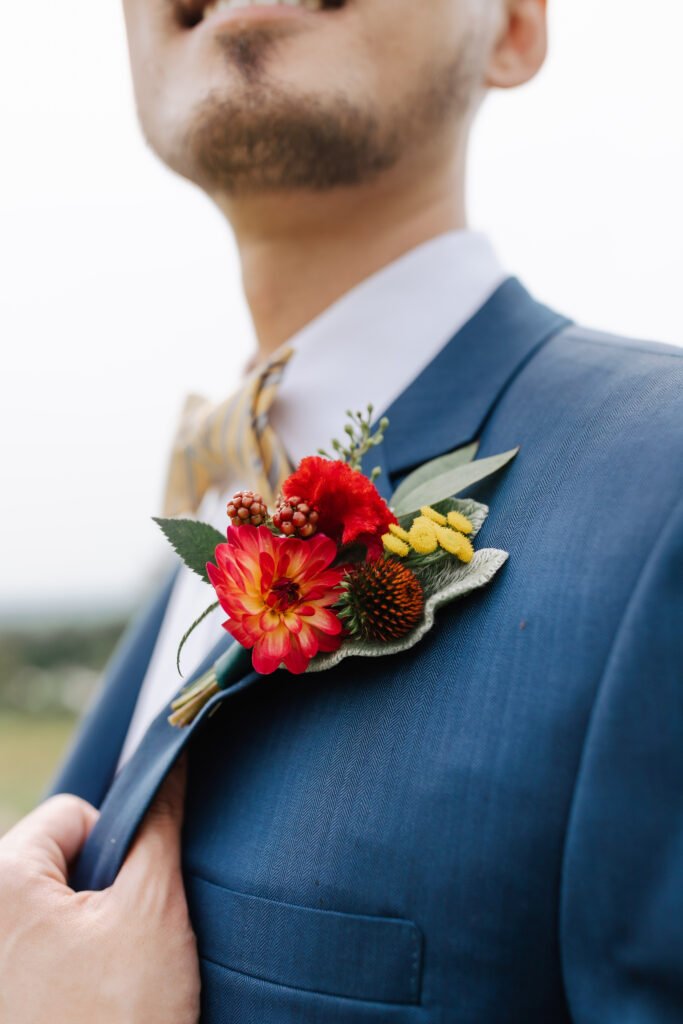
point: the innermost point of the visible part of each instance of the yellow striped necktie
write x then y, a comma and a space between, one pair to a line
231, 440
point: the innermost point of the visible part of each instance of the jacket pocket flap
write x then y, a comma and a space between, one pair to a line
355, 956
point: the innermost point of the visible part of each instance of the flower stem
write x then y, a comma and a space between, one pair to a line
232, 666
186, 707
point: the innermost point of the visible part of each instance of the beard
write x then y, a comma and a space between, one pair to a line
267, 140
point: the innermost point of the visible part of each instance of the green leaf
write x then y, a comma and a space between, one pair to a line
451, 482
431, 469
211, 608
195, 542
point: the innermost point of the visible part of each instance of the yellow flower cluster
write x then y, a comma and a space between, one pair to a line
429, 531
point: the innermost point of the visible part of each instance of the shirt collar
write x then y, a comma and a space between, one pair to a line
377, 338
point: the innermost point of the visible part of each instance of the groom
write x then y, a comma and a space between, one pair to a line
488, 828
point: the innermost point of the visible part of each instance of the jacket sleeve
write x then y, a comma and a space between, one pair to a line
621, 914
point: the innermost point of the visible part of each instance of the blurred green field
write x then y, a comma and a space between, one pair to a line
31, 746
47, 678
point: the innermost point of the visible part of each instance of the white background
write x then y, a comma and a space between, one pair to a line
119, 287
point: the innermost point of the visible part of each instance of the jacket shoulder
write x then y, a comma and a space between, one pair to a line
641, 380
618, 348
618, 400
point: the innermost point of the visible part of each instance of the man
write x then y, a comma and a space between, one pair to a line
487, 828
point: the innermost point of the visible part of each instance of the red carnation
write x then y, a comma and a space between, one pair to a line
350, 508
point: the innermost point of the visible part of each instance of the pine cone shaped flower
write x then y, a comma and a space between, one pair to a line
247, 508
383, 601
295, 518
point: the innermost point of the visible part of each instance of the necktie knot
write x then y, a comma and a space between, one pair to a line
232, 439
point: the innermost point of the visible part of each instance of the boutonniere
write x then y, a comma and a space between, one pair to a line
334, 570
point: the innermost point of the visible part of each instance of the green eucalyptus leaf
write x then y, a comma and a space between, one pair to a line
451, 482
195, 542
423, 474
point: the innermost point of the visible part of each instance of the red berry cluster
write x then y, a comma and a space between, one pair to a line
295, 518
246, 507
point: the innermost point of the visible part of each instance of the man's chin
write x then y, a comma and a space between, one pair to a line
267, 141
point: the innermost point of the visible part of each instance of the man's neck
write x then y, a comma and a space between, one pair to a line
301, 252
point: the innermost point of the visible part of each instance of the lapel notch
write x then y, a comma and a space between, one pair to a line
447, 406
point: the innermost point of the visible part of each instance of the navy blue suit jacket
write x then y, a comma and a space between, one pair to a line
488, 828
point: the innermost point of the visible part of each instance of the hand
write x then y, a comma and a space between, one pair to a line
123, 956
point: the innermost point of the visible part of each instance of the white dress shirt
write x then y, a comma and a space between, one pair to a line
367, 347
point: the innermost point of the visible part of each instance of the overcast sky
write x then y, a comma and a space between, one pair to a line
119, 286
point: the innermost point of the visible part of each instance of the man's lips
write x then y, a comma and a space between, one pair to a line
191, 12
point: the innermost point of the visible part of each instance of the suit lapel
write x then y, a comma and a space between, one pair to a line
136, 785
91, 762
446, 407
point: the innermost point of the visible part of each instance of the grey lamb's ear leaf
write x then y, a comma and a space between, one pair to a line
458, 581
430, 469
451, 482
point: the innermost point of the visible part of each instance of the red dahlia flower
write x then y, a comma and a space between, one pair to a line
351, 510
278, 592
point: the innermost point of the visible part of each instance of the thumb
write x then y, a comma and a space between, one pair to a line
52, 835
156, 850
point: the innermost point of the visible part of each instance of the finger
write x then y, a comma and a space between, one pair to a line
53, 834
156, 850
